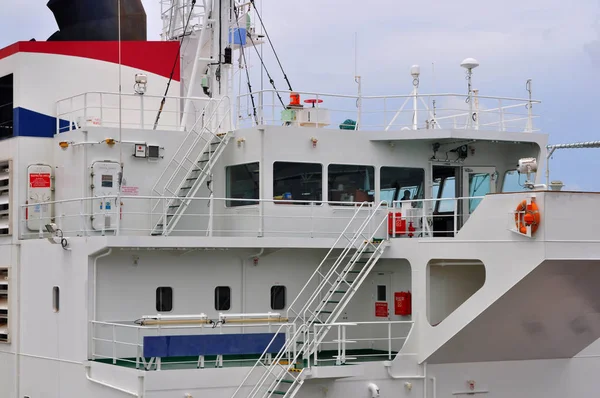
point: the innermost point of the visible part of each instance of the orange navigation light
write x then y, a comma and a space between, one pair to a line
294, 98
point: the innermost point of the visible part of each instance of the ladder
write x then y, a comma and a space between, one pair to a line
339, 283
191, 165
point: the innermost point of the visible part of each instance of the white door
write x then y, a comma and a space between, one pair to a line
381, 296
382, 309
477, 182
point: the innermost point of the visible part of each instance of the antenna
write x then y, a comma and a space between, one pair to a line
469, 64
355, 53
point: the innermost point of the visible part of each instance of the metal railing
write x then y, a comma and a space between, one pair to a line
123, 341
342, 340
126, 110
133, 215
429, 111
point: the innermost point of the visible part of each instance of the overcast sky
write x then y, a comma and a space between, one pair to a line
554, 42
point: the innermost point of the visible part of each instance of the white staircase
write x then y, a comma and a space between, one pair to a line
191, 165
337, 284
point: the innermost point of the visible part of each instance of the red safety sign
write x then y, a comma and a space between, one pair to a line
39, 180
381, 310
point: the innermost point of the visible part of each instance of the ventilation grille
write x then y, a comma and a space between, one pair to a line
5, 202
4, 289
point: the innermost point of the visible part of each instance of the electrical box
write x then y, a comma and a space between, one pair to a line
153, 151
141, 151
39, 190
105, 182
313, 117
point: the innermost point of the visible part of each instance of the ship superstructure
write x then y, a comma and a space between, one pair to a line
166, 233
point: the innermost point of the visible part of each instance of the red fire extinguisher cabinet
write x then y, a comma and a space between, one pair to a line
402, 303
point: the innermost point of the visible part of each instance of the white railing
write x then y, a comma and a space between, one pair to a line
385, 336
175, 14
133, 215
126, 110
123, 341
393, 112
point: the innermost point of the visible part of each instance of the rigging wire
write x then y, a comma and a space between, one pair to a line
237, 18
266, 70
271, 43
162, 102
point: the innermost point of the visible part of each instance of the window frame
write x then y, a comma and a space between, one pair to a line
272, 297
216, 298
156, 306
373, 188
228, 203
324, 174
420, 189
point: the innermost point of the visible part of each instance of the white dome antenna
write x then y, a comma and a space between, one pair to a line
469, 64
415, 72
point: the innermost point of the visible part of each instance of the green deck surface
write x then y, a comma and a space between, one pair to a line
325, 358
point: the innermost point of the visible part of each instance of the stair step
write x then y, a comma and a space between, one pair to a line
325, 312
277, 392
339, 291
332, 302
286, 381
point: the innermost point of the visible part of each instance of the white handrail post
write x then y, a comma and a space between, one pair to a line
343, 344
502, 127
142, 111
139, 348
93, 342
211, 212
103, 207
456, 216
114, 338
273, 107
40, 231
390, 341
118, 209
339, 346
312, 219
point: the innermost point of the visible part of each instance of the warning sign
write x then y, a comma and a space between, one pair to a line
39, 180
381, 310
130, 191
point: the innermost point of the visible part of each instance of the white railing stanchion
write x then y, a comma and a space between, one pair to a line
389, 341
455, 216
114, 344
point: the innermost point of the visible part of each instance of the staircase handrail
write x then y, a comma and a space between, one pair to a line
274, 362
314, 274
211, 101
357, 236
207, 145
210, 163
360, 278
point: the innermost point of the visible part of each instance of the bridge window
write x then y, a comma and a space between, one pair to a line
242, 182
351, 183
277, 297
6, 106
513, 181
297, 181
222, 298
164, 299
401, 183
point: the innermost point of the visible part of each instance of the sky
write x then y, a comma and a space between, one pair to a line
554, 42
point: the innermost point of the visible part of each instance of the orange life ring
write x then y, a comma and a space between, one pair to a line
526, 215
